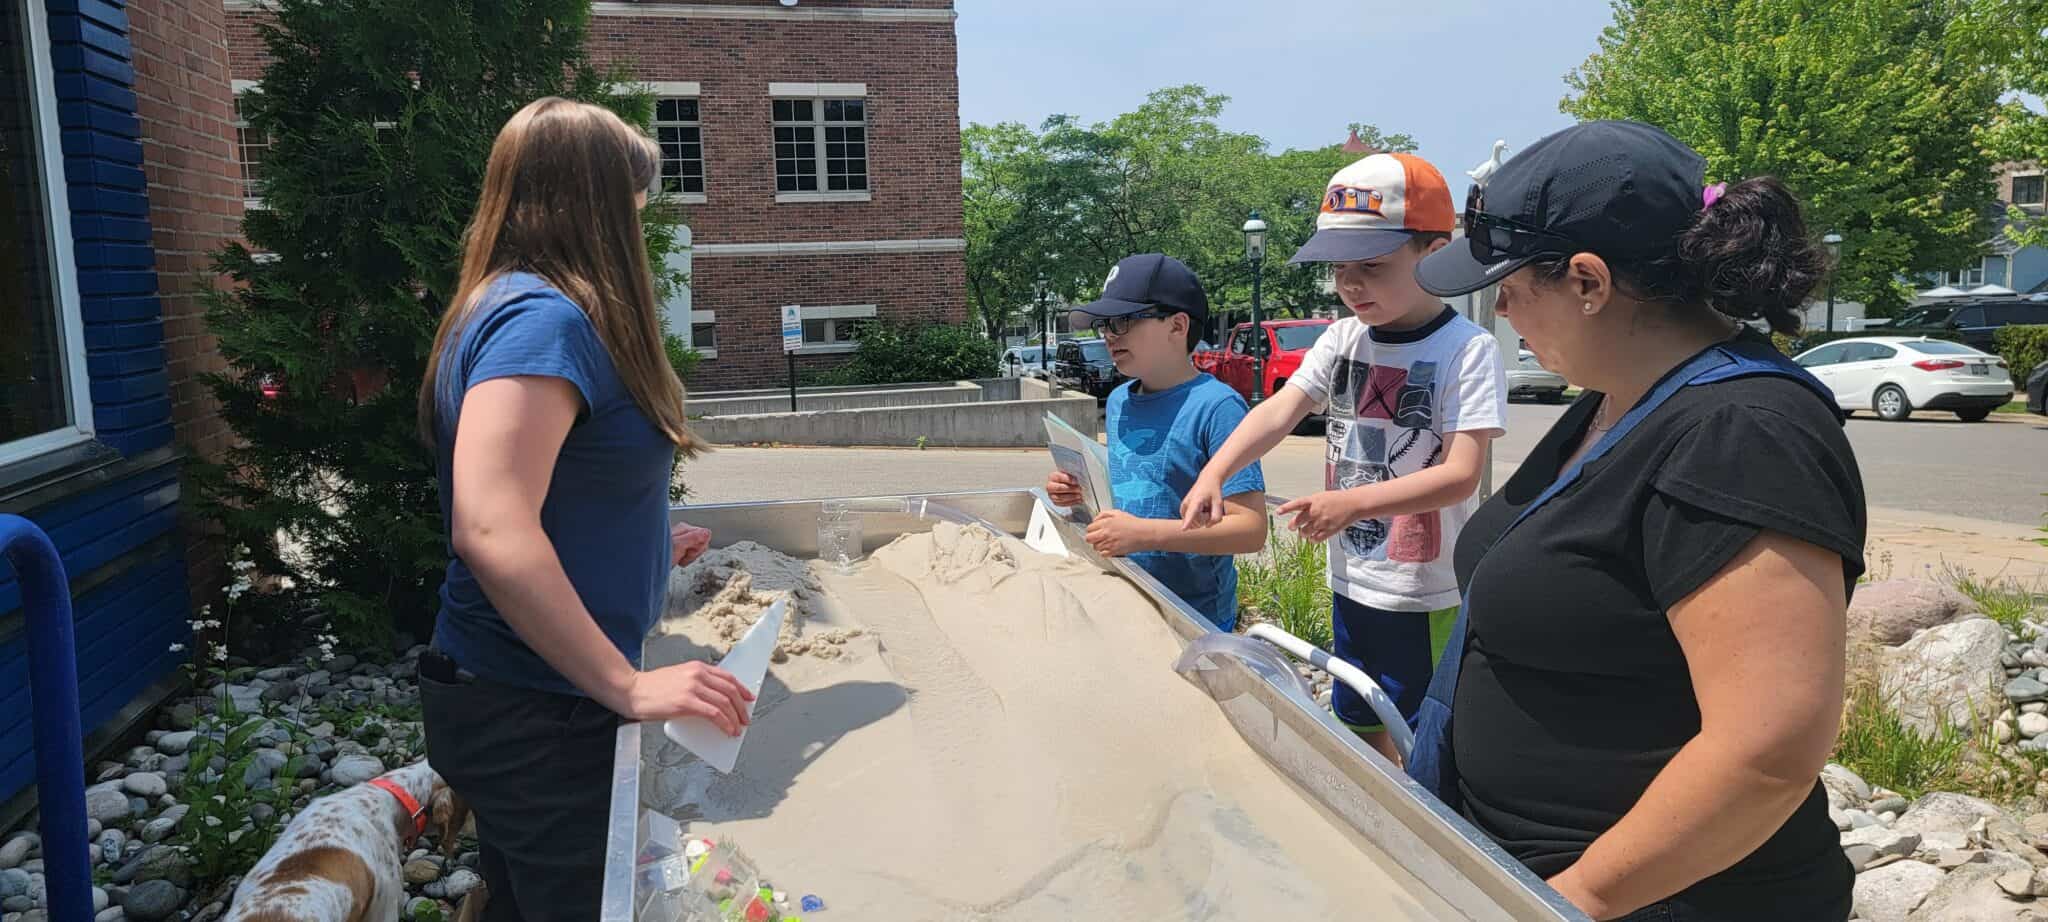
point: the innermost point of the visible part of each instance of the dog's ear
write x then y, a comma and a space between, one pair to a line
450, 814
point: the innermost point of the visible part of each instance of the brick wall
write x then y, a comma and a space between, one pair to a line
913, 125
748, 293
185, 105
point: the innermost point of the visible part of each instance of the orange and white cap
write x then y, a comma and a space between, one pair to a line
1371, 207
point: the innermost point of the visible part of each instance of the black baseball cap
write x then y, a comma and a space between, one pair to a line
1150, 281
1619, 189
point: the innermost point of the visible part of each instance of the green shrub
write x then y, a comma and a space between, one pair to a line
1287, 586
910, 353
682, 356
2023, 346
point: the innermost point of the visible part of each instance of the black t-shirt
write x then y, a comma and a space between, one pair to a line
1574, 692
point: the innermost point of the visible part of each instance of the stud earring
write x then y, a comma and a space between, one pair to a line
1589, 308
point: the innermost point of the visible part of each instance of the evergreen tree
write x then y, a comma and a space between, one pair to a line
380, 116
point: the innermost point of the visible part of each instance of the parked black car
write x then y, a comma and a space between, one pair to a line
1974, 321
2037, 390
1083, 364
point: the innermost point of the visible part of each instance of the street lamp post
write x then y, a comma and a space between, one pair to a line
1834, 242
1044, 338
1255, 253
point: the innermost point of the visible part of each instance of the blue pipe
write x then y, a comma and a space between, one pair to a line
59, 734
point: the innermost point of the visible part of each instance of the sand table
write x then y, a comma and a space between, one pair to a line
997, 734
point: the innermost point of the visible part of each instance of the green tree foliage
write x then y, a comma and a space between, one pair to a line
2011, 38
1067, 200
381, 115
1872, 110
909, 353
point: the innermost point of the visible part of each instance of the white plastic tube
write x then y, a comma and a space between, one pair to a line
1390, 716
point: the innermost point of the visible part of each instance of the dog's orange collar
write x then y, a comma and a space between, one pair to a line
406, 800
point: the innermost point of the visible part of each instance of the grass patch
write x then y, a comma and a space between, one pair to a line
1878, 746
2017, 406
2006, 601
1287, 585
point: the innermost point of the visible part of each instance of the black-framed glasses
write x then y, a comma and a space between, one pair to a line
1494, 238
1121, 324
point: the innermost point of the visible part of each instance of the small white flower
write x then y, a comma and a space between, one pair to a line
220, 653
177, 648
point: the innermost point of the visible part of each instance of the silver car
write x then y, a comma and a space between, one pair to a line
1528, 378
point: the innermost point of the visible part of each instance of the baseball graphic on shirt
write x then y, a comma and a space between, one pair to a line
1389, 431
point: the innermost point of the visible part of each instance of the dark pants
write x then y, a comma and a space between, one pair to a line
535, 769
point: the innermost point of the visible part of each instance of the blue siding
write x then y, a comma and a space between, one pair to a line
2029, 268
139, 605
124, 632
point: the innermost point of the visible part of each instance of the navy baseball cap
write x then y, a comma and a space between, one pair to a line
1618, 189
1150, 281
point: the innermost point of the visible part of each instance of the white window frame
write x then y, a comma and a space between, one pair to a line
689, 335
250, 202
2035, 205
833, 315
818, 94
49, 153
693, 91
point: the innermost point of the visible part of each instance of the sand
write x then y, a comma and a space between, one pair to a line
726, 590
1003, 739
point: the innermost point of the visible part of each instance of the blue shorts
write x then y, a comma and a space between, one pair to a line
1397, 649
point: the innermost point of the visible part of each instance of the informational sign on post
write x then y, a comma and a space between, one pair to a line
792, 340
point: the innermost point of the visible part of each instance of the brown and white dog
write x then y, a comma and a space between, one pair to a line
343, 858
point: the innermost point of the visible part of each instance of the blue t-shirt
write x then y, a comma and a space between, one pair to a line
1158, 445
606, 512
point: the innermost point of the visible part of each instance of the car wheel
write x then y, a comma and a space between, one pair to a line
1973, 416
1891, 404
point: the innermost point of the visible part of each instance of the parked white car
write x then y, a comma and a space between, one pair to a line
1528, 378
1023, 362
1895, 375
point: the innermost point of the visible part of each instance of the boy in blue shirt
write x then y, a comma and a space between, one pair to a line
1164, 426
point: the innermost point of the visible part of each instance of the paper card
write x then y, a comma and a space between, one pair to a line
748, 662
1085, 460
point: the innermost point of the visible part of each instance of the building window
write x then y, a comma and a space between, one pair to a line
250, 147
835, 329
681, 135
44, 399
821, 147
1966, 278
2029, 190
704, 333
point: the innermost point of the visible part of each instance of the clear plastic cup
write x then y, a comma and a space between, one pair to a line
839, 535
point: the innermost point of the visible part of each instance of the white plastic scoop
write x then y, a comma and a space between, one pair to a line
748, 662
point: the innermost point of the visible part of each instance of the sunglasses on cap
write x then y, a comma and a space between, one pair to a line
1122, 323
1494, 238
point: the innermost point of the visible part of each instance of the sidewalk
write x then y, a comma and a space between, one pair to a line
1918, 543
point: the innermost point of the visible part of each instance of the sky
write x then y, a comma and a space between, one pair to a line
1456, 74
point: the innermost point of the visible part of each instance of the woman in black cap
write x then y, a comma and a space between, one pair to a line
1650, 672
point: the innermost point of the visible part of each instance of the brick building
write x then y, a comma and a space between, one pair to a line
117, 178
814, 149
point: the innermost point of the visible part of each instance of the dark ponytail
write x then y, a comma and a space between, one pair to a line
1747, 256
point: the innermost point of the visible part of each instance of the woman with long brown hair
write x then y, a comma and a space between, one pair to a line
555, 417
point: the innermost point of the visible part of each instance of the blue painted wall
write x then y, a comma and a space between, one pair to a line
120, 535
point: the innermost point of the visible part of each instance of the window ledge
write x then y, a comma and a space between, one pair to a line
685, 198
707, 354
790, 198
833, 349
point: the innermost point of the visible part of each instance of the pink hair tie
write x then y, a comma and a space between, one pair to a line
1712, 194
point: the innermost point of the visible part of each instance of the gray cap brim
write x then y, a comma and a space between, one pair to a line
1349, 244
1456, 270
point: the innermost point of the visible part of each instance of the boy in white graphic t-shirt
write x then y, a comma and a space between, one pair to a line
1413, 393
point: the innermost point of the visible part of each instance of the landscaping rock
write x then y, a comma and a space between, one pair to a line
345, 662
99, 900
107, 804
280, 692
420, 872
1890, 803
159, 829
110, 845
1890, 893
351, 770
2002, 732
153, 900
460, 883
1890, 611
265, 766
2033, 658
183, 717
246, 699
1865, 846
262, 813
2033, 725
2034, 707
1859, 819
1971, 893
176, 743
145, 784
1838, 779
113, 914
16, 850
157, 862
1945, 675
17, 904
13, 882
2026, 690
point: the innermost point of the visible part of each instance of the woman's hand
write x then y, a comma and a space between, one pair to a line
690, 690
1063, 489
688, 542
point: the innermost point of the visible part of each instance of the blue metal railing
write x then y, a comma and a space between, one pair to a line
59, 733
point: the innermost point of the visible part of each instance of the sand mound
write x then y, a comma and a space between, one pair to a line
728, 589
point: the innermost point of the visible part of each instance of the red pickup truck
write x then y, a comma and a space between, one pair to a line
1286, 341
